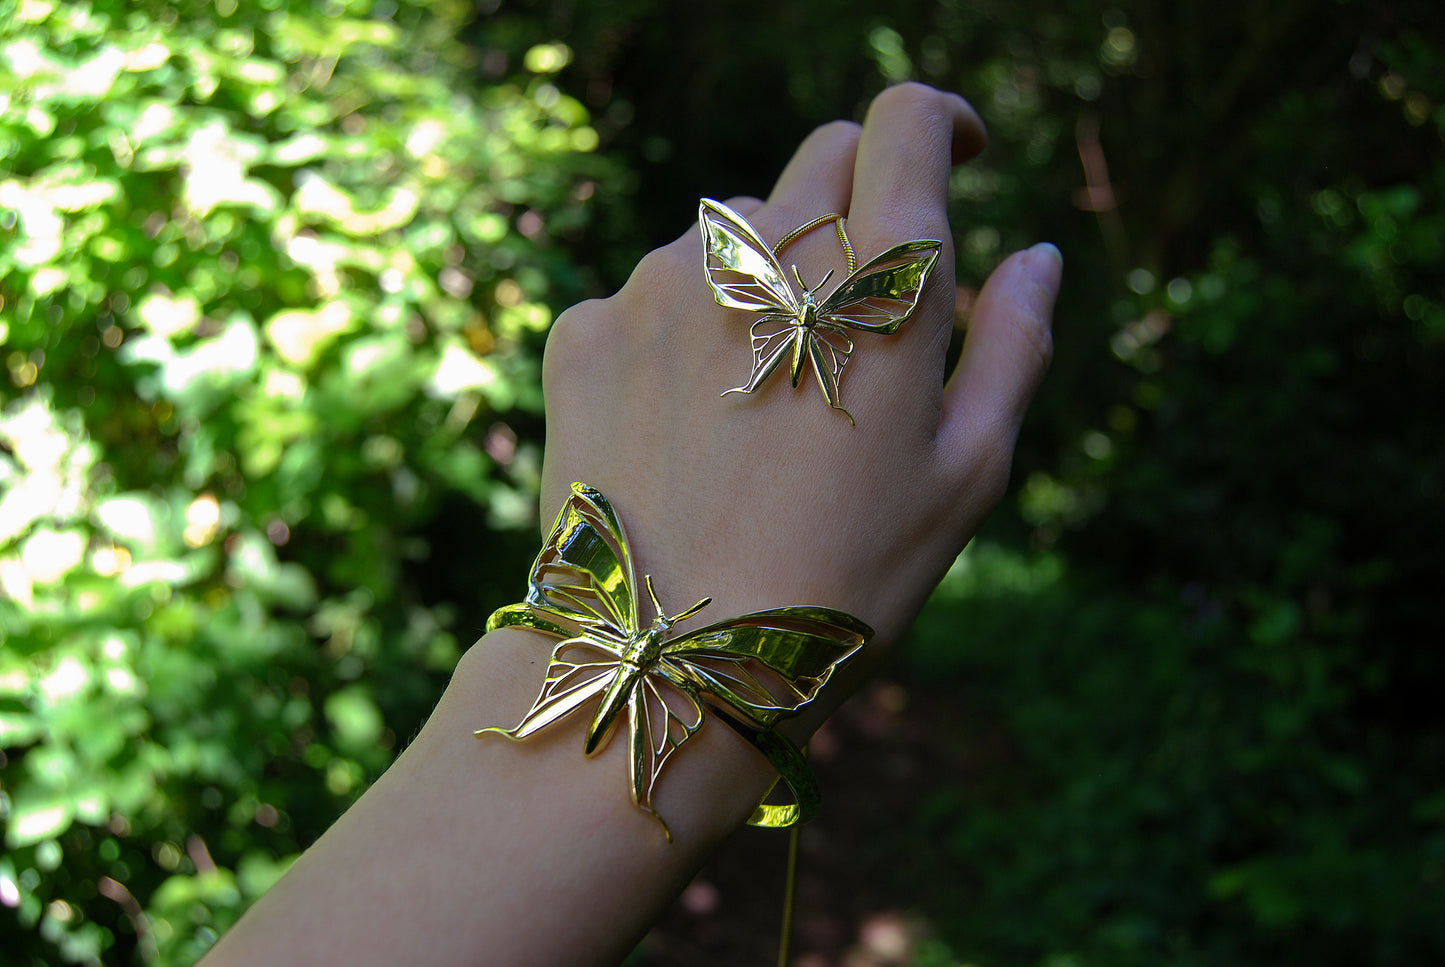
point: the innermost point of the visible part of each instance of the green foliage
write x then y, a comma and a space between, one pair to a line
1185, 788
273, 285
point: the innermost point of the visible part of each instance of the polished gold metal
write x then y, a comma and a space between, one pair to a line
744, 273
750, 671
807, 227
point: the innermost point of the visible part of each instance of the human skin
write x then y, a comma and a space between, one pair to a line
493, 852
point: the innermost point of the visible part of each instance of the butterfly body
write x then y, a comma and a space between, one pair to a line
752, 670
804, 322
744, 273
639, 656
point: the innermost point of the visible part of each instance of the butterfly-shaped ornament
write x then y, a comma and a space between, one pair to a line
751, 671
745, 273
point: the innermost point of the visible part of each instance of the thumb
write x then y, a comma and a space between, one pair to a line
1005, 354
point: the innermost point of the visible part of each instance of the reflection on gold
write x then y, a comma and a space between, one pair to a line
751, 671
744, 273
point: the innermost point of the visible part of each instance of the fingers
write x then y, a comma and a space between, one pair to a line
890, 177
819, 177
817, 180
911, 139
1005, 355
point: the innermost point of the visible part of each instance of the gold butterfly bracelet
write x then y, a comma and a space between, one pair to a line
751, 671
744, 273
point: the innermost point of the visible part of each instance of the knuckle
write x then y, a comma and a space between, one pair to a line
993, 470
743, 203
572, 339
663, 266
837, 132
1035, 330
906, 219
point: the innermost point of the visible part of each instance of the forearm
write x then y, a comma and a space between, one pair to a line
488, 851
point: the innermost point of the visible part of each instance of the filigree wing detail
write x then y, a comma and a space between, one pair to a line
741, 269
657, 729
880, 296
772, 338
828, 350
582, 581
580, 670
764, 666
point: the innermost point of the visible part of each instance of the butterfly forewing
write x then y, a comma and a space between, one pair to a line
741, 269
584, 575
765, 665
881, 295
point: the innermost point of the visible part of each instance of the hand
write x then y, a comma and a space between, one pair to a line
532, 853
773, 498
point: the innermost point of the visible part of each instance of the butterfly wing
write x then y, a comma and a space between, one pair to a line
828, 351
660, 719
880, 296
580, 670
582, 581
772, 336
582, 589
759, 668
741, 269
764, 666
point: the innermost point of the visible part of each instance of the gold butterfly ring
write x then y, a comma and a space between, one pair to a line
744, 273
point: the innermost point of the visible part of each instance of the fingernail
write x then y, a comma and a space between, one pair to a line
1045, 265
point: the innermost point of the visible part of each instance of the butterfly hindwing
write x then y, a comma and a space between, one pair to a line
661, 717
580, 670
828, 351
772, 337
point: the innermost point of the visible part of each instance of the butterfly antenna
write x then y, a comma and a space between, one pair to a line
657, 605
694, 609
652, 593
805, 287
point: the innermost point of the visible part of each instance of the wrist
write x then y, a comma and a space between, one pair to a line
708, 789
